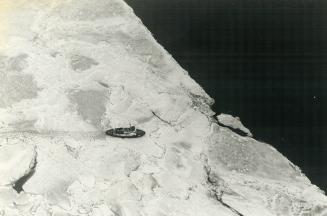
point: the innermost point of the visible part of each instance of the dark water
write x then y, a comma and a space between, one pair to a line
262, 60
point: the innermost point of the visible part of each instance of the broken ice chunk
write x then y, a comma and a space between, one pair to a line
233, 123
16, 161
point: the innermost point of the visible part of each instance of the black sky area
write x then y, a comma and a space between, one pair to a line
262, 60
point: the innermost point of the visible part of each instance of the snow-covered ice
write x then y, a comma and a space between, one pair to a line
71, 70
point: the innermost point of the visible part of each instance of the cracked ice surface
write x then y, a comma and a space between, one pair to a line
72, 69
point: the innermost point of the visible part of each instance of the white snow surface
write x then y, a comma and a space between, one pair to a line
72, 69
